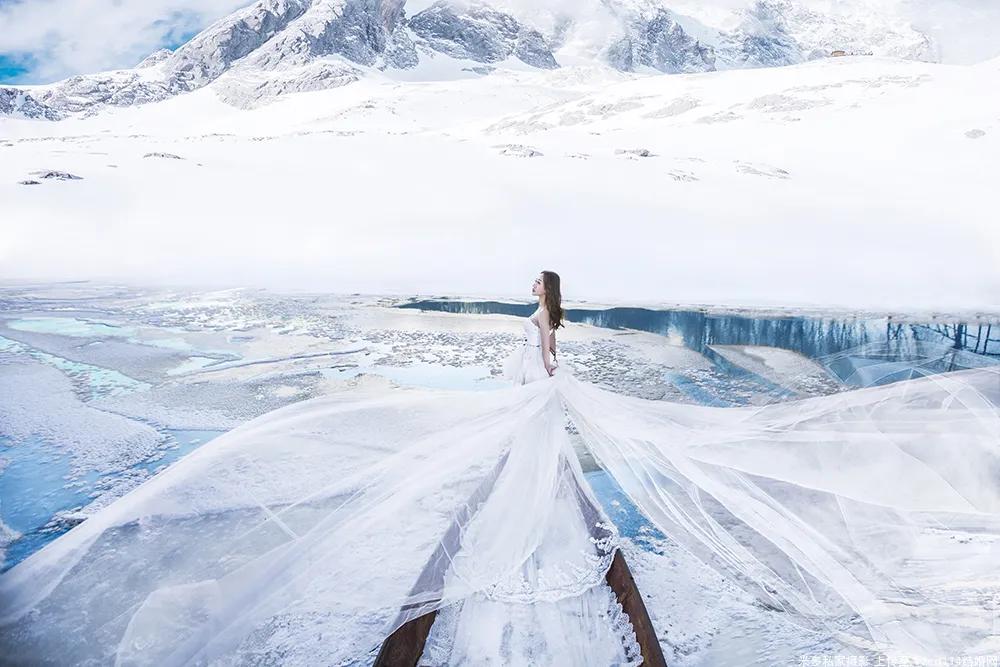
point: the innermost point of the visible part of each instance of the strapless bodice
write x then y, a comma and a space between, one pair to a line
525, 363
532, 336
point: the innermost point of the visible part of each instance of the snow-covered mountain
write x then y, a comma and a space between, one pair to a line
274, 47
20, 103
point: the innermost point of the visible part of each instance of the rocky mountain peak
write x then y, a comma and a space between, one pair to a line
661, 43
275, 47
481, 33
16, 102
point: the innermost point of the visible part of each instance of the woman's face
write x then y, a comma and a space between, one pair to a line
538, 287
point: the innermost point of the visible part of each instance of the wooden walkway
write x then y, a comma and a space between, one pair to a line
405, 646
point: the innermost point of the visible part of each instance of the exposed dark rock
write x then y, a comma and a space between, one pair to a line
762, 39
155, 58
168, 156
52, 174
216, 49
123, 88
359, 30
400, 51
252, 90
519, 150
682, 176
532, 49
480, 69
479, 32
634, 152
661, 43
16, 102
762, 170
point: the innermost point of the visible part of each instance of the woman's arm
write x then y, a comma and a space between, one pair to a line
543, 324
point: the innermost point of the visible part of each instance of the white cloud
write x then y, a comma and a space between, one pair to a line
966, 30
65, 37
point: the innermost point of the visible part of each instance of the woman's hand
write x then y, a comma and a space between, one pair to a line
550, 369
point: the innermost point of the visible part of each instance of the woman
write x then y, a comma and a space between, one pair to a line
309, 535
535, 359
555, 608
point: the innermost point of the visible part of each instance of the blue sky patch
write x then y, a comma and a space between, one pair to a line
12, 69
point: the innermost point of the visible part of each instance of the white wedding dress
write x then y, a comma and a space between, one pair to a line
556, 608
310, 534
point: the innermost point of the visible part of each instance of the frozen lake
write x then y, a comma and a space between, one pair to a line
103, 386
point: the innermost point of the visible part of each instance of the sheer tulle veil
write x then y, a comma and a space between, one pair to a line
872, 513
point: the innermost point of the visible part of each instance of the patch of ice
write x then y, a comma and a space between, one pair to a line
7, 536
785, 368
99, 381
69, 326
192, 364
37, 400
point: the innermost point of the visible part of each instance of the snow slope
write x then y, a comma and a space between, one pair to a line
855, 182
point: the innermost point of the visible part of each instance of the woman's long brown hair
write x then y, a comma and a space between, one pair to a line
553, 298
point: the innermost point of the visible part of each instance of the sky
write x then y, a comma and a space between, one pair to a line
12, 68
47, 40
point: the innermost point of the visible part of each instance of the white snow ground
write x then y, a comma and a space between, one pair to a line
856, 182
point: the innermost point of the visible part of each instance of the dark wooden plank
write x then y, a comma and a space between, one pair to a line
619, 578
404, 647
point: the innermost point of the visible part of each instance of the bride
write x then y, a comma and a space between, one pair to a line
556, 607
312, 534
535, 359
